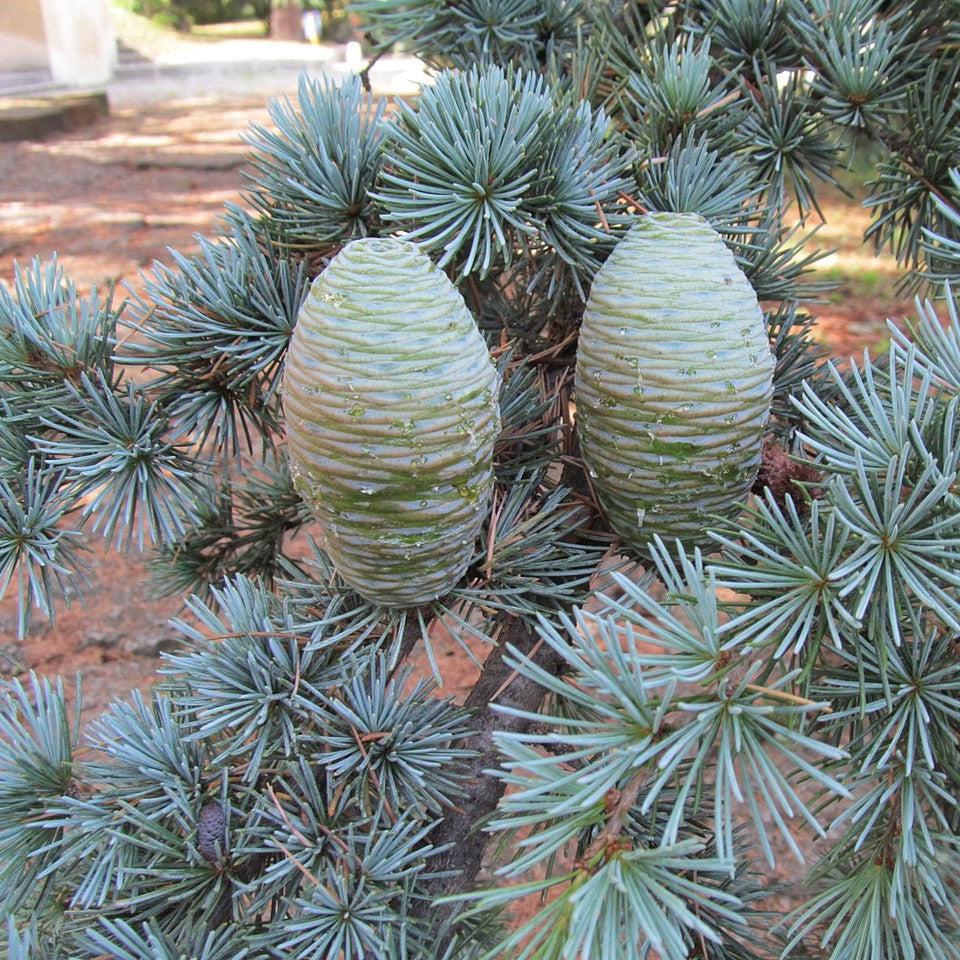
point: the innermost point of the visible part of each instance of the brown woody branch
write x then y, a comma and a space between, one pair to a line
461, 828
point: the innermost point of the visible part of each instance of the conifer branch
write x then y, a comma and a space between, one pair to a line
462, 828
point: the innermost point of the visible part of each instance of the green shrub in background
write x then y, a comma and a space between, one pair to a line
672, 721
182, 14
166, 13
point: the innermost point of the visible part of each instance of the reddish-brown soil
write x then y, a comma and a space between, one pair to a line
853, 316
110, 200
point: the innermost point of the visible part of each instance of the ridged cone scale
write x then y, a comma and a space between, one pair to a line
674, 380
391, 409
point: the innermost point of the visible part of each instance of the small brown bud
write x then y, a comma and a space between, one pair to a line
780, 475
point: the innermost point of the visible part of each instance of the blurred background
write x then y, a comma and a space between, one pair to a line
84, 43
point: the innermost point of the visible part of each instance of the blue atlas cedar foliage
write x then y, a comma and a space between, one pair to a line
312, 169
678, 728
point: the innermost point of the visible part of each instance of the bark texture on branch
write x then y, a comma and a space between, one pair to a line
462, 828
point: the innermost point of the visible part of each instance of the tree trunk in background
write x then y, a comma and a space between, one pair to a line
285, 21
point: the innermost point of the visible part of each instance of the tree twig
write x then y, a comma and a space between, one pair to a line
619, 802
788, 697
718, 104
365, 72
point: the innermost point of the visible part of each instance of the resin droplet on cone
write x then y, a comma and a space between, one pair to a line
673, 382
391, 411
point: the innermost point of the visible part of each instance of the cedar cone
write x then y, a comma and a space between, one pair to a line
212, 832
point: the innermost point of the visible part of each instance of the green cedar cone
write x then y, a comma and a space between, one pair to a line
674, 379
391, 411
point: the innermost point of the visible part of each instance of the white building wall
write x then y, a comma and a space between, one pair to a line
81, 46
73, 39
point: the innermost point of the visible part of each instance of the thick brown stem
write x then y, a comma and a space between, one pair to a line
462, 827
